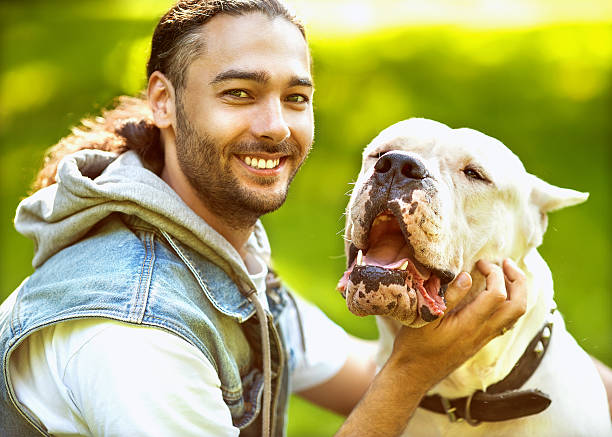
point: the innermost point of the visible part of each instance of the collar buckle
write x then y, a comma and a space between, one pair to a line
450, 410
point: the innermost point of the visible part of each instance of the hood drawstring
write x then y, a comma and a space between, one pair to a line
267, 365
93, 184
251, 295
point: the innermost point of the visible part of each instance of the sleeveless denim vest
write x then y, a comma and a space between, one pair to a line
128, 271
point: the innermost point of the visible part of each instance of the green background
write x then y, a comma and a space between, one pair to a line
544, 91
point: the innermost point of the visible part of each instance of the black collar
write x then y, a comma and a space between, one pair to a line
502, 400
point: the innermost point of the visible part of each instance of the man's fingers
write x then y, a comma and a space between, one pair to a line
512, 271
494, 277
493, 295
494, 310
458, 289
500, 304
516, 304
515, 280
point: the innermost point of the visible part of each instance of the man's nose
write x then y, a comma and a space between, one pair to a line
401, 166
270, 123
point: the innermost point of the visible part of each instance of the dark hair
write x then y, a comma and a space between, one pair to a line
176, 40
129, 124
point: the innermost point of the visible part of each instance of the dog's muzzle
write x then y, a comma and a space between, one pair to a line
384, 277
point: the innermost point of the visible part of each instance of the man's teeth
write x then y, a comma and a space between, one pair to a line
360, 261
261, 163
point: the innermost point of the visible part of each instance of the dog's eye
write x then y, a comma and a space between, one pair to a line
472, 173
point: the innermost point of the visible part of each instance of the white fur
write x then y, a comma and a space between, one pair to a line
502, 219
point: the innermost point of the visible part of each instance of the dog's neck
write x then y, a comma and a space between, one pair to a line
494, 361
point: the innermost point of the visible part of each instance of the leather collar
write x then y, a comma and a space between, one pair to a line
502, 400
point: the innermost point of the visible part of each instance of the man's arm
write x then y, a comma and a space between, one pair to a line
139, 381
422, 357
342, 392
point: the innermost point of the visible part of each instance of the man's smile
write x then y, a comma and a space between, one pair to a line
263, 164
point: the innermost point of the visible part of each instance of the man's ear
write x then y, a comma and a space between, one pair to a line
161, 97
548, 198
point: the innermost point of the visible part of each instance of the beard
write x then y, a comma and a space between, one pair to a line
200, 159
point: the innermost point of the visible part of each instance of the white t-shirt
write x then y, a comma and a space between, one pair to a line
98, 377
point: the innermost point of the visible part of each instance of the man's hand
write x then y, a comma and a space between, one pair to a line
422, 357
444, 345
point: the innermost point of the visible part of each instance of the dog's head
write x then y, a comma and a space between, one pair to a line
429, 202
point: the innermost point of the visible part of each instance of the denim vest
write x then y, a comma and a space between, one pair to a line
128, 271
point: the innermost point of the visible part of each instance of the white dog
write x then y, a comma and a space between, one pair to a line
429, 202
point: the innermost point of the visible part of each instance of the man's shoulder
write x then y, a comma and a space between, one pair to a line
111, 251
120, 272
130, 262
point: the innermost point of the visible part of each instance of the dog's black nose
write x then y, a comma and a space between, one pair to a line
401, 164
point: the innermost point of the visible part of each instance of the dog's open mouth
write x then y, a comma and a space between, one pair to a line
386, 279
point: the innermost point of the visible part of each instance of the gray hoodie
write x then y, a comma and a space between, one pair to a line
90, 186
93, 184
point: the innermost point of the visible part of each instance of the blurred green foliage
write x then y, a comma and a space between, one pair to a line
544, 91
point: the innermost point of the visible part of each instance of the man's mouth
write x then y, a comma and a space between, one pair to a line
264, 164
261, 162
386, 279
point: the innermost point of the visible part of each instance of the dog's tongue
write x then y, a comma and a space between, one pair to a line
388, 280
345, 278
378, 260
379, 287
388, 251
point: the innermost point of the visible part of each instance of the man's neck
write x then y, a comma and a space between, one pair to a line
237, 237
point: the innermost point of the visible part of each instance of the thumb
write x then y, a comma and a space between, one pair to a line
457, 290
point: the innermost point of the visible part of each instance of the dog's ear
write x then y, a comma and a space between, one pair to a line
548, 198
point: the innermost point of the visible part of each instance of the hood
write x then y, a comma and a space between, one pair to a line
93, 184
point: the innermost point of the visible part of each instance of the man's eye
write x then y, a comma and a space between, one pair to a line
297, 98
241, 94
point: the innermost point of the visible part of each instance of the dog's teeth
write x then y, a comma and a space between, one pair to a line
360, 258
404, 266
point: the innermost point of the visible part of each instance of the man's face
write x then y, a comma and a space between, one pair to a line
244, 119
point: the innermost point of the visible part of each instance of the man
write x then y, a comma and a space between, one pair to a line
152, 310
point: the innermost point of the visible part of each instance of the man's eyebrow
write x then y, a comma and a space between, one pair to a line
301, 81
257, 76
